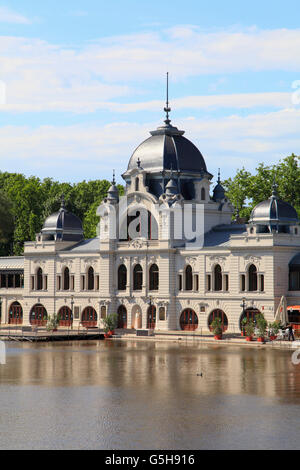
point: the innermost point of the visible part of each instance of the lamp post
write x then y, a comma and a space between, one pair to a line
243, 304
72, 306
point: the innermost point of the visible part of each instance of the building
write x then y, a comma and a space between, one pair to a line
140, 268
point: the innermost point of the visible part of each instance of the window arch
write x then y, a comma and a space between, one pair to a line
89, 317
38, 315
122, 277
189, 320
218, 277
252, 278
137, 277
91, 278
122, 317
202, 194
65, 316
137, 184
217, 313
188, 278
66, 277
39, 279
153, 277
15, 314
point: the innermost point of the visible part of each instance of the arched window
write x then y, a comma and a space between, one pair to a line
66, 279
15, 314
89, 317
189, 320
140, 224
137, 277
38, 315
122, 277
122, 317
91, 278
39, 279
203, 194
153, 277
65, 316
218, 277
188, 278
137, 184
151, 317
252, 277
221, 315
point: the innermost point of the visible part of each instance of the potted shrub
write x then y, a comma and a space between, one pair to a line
273, 330
244, 323
261, 324
52, 322
249, 330
110, 323
216, 327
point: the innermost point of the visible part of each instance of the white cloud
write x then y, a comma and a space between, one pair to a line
71, 152
43, 76
10, 16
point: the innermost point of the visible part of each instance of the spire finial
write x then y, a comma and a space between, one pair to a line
167, 109
138, 163
62, 202
274, 187
114, 177
219, 176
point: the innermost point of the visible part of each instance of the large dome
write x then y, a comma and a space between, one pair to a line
274, 211
62, 225
167, 149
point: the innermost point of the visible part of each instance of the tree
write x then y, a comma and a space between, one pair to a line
6, 219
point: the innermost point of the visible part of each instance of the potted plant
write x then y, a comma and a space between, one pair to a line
261, 324
216, 327
249, 330
110, 323
273, 330
52, 322
244, 323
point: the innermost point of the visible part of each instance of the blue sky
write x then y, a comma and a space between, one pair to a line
84, 82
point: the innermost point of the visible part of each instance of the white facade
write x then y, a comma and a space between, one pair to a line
199, 280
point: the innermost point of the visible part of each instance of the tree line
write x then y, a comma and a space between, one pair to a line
246, 190
25, 203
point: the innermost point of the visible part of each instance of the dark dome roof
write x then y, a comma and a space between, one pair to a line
274, 211
167, 149
63, 225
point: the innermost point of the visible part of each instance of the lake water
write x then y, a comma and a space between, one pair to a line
146, 395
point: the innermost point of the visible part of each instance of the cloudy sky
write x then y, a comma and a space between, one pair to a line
83, 82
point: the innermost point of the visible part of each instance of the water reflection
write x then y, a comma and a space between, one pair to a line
117, 394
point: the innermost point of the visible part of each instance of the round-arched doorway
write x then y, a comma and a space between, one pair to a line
217, 313
151, 317
136, 317
65, 316
188, 320
89, 317
15, 314
250, 314
122, 317
38, 315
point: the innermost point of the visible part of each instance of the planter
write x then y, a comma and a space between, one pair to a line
261, 339
272, 337
218, 336
249, 338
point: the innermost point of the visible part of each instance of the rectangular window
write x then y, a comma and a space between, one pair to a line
262, 283
97, 282
179, 281
196, 282
208, 282
45, 283
243, 282
83, 282
76, 312
72, 282
32, 282
226, 282
58, 282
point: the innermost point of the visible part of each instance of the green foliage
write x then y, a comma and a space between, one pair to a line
52, 322
216, 326
261, 324
25, 203
274, 327
110, 322
249, 328
246, 190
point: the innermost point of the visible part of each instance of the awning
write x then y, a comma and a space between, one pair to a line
293, 307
